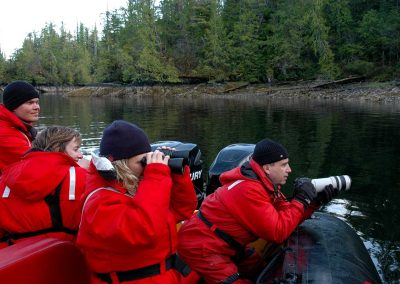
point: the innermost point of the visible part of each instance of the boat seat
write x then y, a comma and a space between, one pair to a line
44, 261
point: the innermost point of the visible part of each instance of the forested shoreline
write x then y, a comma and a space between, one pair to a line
180, 41
381, 93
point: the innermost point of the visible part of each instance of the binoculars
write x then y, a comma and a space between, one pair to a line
179, 158
176, 162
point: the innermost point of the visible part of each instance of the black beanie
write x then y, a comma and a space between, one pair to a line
17, 93
267, 151
123, 140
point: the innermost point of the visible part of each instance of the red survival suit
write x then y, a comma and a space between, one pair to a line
42, 182
15, 137
124, 235
246, 207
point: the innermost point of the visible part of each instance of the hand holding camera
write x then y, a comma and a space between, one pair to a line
327, 188
327, 194
304, 191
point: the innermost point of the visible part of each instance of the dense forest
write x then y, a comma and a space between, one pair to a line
215, 41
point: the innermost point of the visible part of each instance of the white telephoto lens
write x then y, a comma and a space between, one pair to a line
340, 182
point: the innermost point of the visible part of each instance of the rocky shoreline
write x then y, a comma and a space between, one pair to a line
387, 92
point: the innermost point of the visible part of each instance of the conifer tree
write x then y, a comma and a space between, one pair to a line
214, 62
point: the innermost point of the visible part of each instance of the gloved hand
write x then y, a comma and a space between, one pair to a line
327, 194
304, 191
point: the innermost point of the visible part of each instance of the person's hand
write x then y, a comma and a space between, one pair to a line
327, 194
166, 150
156, 157
304, 191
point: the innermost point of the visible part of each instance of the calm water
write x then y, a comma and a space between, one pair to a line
324, 138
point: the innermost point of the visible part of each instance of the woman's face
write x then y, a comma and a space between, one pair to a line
72, 149
135, 164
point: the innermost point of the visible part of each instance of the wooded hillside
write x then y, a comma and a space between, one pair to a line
215, 40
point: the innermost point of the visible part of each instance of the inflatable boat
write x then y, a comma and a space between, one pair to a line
323, 249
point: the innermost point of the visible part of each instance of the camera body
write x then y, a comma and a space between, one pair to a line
341, 183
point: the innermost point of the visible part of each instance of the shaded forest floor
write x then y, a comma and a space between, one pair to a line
385, 92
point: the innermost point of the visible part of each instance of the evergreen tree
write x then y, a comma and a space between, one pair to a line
245, 50
379, 33
342, 34
285, 45
26, 62
93, 50
183, 27
214, 61
110, 56
2, 67
146, 64
317, 38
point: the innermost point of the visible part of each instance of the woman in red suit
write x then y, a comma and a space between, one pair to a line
132, 204
40, 194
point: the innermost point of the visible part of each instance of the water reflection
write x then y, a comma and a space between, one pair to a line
324, 138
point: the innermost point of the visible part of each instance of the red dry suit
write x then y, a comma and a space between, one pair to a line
15, 137
124, 233
40, 196
246, 207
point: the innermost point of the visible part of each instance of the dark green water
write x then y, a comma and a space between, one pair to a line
324, 138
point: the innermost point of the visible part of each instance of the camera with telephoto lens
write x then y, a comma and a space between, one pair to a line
176, 162
338, 182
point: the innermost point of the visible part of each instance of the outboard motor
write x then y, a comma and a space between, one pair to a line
192, 155
231, 156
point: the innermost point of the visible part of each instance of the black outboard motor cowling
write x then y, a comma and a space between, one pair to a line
192, 154
230, 157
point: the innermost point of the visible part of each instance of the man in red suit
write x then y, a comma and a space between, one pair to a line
19, 111
249, 205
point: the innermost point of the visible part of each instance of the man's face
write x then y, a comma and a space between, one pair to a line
278, 172
28, 111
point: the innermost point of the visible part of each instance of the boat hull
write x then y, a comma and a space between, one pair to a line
323, 249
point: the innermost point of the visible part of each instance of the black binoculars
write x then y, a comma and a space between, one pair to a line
177, 161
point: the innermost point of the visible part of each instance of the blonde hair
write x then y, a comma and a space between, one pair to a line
126, 176
55, 138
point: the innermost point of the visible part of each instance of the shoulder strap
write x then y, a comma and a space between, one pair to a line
96, 190
53, 201
91, 194
238, 247
72, 183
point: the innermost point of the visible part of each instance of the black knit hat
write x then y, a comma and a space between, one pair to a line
17, 93
267, 151
123, 140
